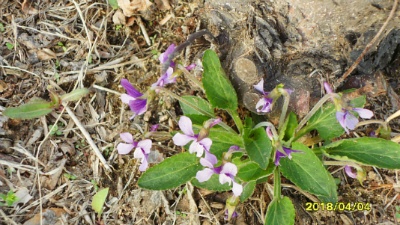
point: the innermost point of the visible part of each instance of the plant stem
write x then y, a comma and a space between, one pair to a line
277, 183
191, 77
313, 111
236, 119
285, 106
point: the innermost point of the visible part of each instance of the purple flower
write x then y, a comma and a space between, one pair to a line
349, 172
134, 99
190, 67
164, 57
165, 79
198, 146
142, 149
265, 103
287, 153
328, 88
348, 121
227, 172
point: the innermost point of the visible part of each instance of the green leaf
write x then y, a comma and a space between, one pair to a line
366, 150
307, 172
258, 147
75, 95
9, 46
2, 27
171, 172
98, 200
219, 89
223, 140
248, 190
198, 102
33, 109
325, 122
280, 211
249, 170
289, 127
212, 184
113, 4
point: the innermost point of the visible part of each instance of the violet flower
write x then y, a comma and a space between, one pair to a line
348, 121
165, 79
345, 116
265, 103
136, 101
287, 153
226, 172
350, 172
164, 57
142, 149
198, 145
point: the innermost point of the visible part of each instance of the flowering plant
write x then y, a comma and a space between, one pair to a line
224, 158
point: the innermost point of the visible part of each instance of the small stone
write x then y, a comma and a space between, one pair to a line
164, 118
147, 116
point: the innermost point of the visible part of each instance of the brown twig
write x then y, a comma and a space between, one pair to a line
369, 45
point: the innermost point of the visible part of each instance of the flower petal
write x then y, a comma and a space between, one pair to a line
223, 178
328, 88
138, 154
130, 89
350, 172
138, 106
164, 56
206, 143
144, 165
237, 189
351, 121
264, 105
278, 156
127, 137
260, 86
364, 113
204, 175
340, 117
182, 139
229, 168
186, 125
209, 160
196, 147
124, 148
126, 98
145, 145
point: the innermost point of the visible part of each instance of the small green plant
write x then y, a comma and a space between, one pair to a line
80, 144
96, 187
54, 130
62, 46
179, 213
2, 27
9, 46
37, 107
118, 27
70, 176
107, 151
10, 198
98, 201
397, 212
113, 4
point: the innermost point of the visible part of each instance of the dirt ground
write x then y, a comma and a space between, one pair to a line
70, 44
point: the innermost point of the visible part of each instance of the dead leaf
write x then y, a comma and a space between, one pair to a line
23, 196
131, 7
50, 217
46, 54
28, 9
163, 4
119, 17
